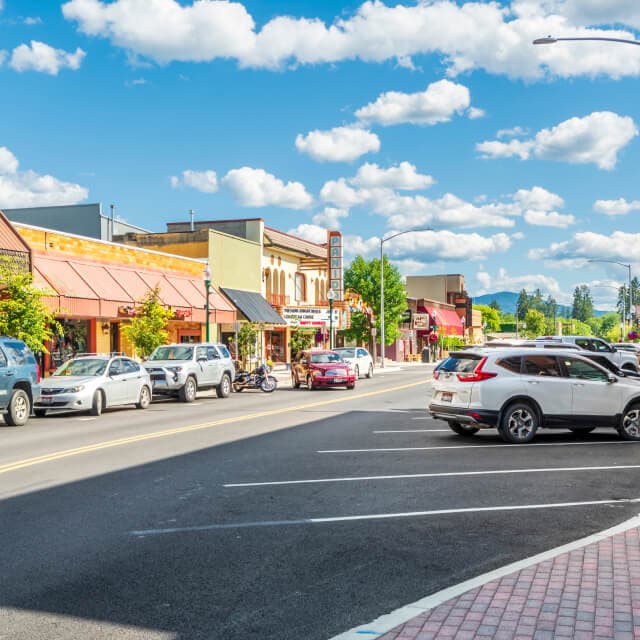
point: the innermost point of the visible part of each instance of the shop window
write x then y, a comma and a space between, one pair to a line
301, 287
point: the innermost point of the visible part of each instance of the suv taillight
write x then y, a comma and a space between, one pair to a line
477, 375
38, 372
436, 374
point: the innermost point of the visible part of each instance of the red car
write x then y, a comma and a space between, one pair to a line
318, 369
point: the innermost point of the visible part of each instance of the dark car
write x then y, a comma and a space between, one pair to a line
317, 369
19, 381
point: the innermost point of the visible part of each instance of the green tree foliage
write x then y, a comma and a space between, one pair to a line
247, 337
495, 305
536, 323
23, 314
148, 329
604, 325
300, 341
522, 305
364, 278
582, 308
490, 317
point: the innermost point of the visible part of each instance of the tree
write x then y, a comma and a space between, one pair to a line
522, 305
364, 278
536, 323
582, 308
23, 314
490, 317
148, 329
299, 341
247, 337
495, 305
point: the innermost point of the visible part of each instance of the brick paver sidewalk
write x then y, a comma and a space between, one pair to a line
589, 593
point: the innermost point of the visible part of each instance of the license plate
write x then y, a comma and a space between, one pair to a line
339, 380
446, 397
46, 399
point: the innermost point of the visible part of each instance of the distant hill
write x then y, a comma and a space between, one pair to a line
507, 301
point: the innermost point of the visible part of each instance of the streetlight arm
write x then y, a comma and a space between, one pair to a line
552, 40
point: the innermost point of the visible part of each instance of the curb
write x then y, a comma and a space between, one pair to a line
390, 621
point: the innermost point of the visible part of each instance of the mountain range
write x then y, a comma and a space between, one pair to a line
507, 301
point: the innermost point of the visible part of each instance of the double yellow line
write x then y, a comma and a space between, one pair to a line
109, 444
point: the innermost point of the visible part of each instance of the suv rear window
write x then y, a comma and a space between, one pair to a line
541, 366
20, 352
460, 363
512, 364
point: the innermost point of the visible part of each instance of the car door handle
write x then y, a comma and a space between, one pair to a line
10, 373
578, 384
533, 381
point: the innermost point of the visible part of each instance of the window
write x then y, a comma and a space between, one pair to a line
460, 364
224, 351
584, 344
116, 367
598, 345
20, 352
541, 366
3, 359
130, 366
212, 354
584, 370
362, 353
301, 288
201, 353
512, 364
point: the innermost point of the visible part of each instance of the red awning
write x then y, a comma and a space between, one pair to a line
447, 321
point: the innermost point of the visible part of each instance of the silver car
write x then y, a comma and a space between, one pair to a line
359, 359
92, 383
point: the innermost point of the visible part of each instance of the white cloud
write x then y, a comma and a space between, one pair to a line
311, 232
464, 34
514, 132
438, 103
502, 281
538, 198
586, 245
403, 177
340, 144
30, 189
32, 20
205, 181
619, 207
341, 194
39, 56
549, 219
329, 217
257, 188
474, 113
596, 138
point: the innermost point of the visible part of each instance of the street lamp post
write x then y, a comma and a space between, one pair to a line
382, 327
206, 276
331, 296
464, 335
552, 40
624, 303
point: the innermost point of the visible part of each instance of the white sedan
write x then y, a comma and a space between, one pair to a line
359, 359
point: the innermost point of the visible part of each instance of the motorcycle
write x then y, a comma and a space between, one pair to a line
259, 378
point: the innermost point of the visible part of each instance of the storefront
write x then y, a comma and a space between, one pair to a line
276, 344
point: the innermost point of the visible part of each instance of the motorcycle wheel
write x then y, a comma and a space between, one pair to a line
269, 384
238, 388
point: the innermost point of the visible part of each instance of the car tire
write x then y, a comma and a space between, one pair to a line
145, 398
351, 386
19, 408
370, 371
463, 429
629, 428
357, 372
97, 404
519, 423
295, 383
188, 391
581, 430
224, 388
309, 383
40, 413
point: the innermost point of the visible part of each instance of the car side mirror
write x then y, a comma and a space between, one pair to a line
611, 378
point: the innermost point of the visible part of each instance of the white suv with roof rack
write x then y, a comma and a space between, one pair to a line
621, 358
519, 390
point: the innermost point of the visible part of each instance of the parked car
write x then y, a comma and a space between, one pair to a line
93, 383
19, 381
183, 369
623, 359
634, 347
317, 369
359, 359
519, 391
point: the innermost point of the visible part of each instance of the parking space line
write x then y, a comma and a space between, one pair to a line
480, 446
447, 474
377, 516
415, 431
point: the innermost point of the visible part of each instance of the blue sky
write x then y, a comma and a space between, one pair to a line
375, 117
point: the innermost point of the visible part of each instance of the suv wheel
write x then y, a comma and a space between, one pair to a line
463, 429
629, 428
224, 388
189, 390
519, 423
19, 409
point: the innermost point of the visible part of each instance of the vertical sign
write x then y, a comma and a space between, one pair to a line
335, 263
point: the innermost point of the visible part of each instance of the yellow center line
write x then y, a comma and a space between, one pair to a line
59, 455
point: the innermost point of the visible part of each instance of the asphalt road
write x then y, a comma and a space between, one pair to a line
166, 523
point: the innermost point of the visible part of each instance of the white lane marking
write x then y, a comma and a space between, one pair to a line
377, 516
445, 474
423, 418
85, 419
479, 446
385, 623
415, 431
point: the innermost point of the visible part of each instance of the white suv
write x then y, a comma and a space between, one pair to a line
518, 390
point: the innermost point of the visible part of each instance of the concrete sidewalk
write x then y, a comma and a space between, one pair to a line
589, 589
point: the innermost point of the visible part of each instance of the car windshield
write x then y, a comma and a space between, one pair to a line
325, 358
83, 367
172, 353
347, 353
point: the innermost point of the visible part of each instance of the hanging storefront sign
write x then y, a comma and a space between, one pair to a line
335, 263
309, 316
421, 321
